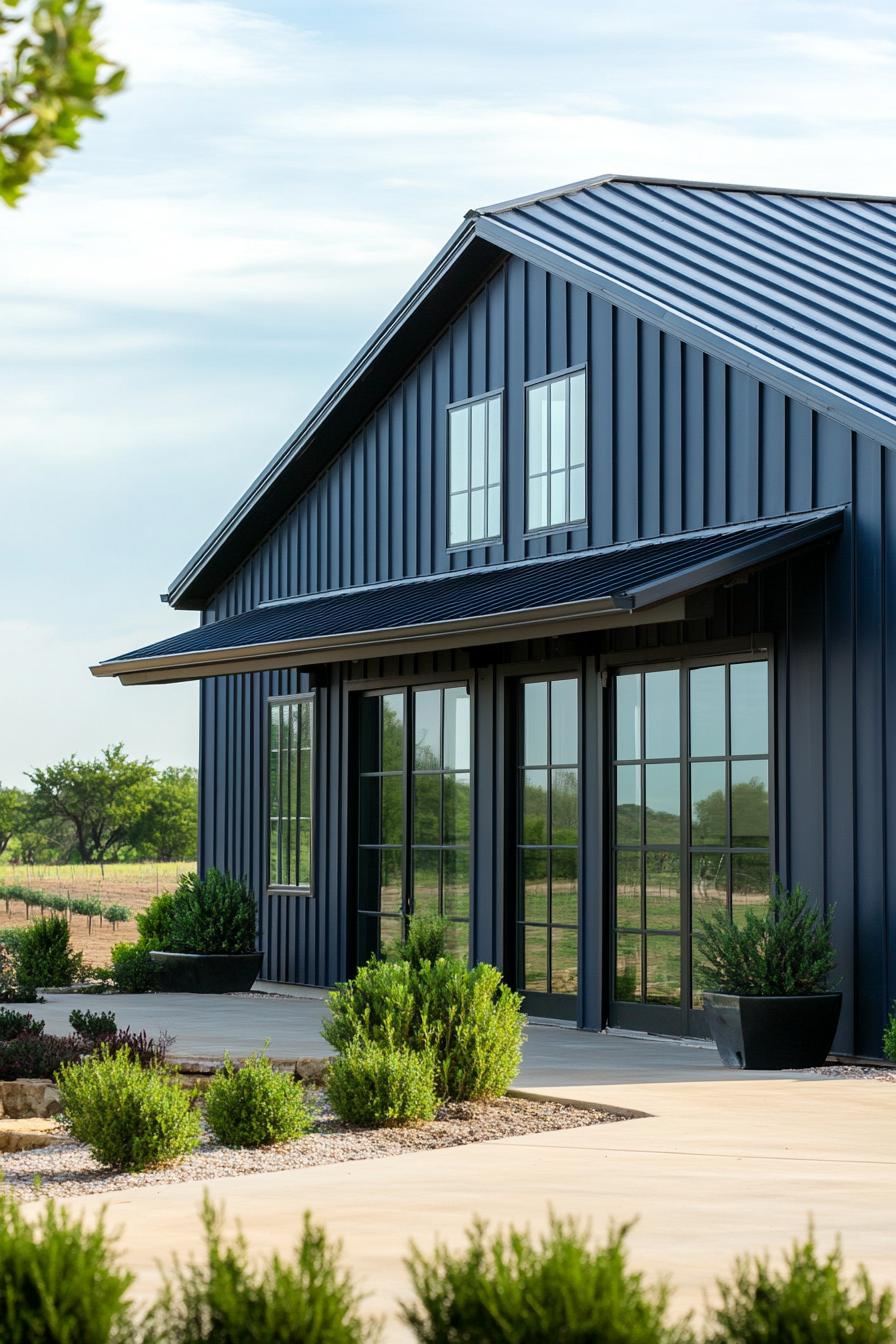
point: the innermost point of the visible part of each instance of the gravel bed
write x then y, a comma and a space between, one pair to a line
68, 1169
879, 1073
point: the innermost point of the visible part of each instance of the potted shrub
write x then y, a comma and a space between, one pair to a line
209, 937
767, 1005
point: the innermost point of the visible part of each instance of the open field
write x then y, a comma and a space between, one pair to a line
130, 884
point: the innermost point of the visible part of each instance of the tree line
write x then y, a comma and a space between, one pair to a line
114, 807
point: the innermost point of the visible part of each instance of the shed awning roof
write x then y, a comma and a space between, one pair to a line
551, 595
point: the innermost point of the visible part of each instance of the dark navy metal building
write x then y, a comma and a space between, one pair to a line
567, 612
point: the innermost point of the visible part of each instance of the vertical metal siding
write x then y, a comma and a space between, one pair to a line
677, 440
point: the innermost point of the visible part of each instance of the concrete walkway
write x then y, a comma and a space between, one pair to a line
723, 1163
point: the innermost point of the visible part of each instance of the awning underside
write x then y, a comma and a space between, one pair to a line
552, 595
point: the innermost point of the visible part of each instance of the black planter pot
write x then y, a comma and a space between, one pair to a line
772, 1032
206, 972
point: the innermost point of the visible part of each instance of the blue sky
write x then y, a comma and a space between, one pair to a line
177, 295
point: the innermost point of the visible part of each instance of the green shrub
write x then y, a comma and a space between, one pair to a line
130, 1117
469, 1021
91, 1026
132, 968
375, 1084
809, 1301
13, 1024
787, 950
519, 1289
223, 1301
154, 923
59, 1282
890, 1035
32, 1056
11, 939
252, 1106
426, 940
44, 956
214, 914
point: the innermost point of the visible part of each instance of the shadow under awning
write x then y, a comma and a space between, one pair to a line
548, 596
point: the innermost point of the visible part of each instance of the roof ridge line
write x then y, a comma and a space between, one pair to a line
604, 179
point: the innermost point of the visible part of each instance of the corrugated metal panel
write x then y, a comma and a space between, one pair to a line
809, 281
620, 577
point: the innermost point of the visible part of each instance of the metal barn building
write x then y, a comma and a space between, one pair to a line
568, 611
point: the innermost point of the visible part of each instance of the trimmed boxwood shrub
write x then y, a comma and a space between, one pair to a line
38, 1056
375, 1084
309, 1298
808, 1300
786, 950
252, 1106
44, 956
59, 1281
130, 1117
14, 1023
469, 1021
426, 940
132, 968
155, 922
517, 1288
212, 914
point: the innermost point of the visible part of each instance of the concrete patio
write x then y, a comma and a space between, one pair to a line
722, 1163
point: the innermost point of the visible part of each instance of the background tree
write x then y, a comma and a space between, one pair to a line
12, 810
168, 828
103, 799
54, 80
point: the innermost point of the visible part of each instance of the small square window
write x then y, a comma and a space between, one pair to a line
475, 451
556, 439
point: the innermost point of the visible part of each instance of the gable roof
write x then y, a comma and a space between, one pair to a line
795, 287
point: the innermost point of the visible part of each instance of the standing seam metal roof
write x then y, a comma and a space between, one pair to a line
807, 280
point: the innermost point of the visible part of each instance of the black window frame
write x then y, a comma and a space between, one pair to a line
684, 1018
299, 888
487, 539
568, 525
407, 689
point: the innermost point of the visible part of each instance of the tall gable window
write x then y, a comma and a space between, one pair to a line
555, 452
291, 745
474, 471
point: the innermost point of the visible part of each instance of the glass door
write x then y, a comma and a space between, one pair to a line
413, 814
690, 827
547, 849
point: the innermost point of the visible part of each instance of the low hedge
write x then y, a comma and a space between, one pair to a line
130, 1117
254, 1105
468, 1021
375, 1084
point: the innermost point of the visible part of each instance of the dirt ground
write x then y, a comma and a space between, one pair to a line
131, 884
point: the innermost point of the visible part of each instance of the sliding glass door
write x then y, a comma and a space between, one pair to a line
690, 826
413, 857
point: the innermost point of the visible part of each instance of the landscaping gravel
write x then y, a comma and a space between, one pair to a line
879, 1073
68, 1169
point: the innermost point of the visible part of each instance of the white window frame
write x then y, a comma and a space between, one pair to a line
463, 481
557, 467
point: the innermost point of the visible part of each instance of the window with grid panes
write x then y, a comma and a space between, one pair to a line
475, 441
555, 452
290, 792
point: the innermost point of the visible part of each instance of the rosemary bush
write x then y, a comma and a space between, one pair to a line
787, 950
808, 1301
516, 1288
